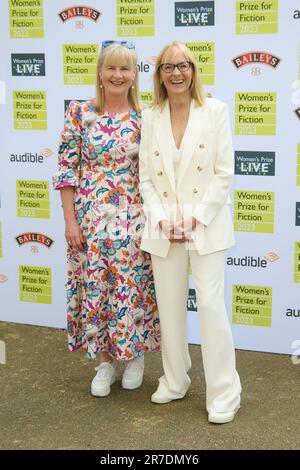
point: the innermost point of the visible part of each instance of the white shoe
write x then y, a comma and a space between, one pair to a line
105, 377
133, 374
156, 397
222, 417
160, 397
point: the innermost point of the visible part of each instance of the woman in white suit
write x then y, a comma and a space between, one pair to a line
186, 168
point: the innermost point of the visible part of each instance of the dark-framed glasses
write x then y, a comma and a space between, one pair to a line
182, 66
127, 44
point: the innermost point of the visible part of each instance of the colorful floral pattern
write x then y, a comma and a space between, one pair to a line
110, 288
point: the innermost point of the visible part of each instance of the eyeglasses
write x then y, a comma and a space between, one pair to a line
127, 44
182, 66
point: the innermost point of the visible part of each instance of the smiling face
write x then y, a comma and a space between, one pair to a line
177, 83
117, 75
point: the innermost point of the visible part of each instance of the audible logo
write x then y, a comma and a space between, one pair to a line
296, 15
252, 261
293, 312
29, 157
194, 13
257, 17
143, 67
28, 65
252, 305
254, 163
247, 261
26, 157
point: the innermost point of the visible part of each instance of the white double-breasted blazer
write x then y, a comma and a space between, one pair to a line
203, 181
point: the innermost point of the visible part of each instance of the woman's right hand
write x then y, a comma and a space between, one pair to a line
73, 234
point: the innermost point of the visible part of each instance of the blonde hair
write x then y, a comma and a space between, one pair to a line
117, 54
160, 92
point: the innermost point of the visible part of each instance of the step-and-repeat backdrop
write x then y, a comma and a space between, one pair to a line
248, 53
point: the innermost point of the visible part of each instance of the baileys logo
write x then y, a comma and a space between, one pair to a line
255, 57
33, 237
72, 12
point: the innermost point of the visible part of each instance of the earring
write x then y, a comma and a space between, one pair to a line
132, 87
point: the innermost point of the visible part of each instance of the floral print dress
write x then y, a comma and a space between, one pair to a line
110, 289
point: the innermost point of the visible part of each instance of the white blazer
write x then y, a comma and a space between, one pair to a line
203, 181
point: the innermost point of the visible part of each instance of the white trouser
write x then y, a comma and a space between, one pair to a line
171, 283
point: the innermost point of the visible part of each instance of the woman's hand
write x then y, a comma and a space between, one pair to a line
172, 231
167, 228
73, 234
182, 230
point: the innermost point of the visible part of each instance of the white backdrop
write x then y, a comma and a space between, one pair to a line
45, 61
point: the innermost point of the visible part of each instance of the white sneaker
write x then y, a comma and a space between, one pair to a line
105, 377
133, 374
222, 418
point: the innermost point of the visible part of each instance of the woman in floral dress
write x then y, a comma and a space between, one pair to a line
111, 299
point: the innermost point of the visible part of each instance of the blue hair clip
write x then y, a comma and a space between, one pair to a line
127, 44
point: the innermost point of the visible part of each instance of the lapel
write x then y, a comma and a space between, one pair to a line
162, 130
195, 126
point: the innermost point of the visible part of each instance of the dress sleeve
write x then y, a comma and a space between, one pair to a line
69, 151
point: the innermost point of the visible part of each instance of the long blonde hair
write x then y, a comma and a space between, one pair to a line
160, 92
118, 54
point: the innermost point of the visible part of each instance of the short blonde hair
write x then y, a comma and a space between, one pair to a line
160, 92
118, 54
